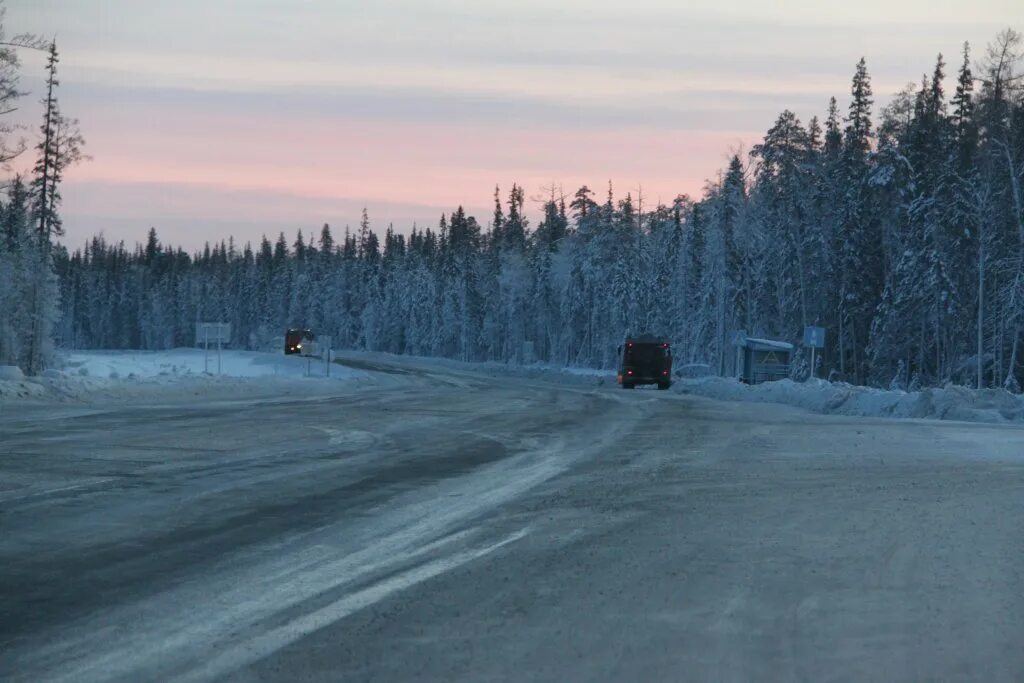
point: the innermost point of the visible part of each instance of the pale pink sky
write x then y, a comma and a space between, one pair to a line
214, 117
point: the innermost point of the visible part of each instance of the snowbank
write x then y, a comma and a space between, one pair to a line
126, 374
11, 373
119, 374
573, 375
577, 376
185, 363
945, 403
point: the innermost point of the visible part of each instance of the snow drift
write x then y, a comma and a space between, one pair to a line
950, 402
120, 374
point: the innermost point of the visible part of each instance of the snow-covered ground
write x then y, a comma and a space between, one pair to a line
942, 403
577, 376
114, 374
442, 527
957, 403
124, 374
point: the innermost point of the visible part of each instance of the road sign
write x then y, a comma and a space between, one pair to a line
213, 333
739, 337
326, 344
814, 337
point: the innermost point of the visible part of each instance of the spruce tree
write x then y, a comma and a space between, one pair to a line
833, 132
964, 125
497, 238
59, 147
857, 138
326, 241
152, 247
859, 241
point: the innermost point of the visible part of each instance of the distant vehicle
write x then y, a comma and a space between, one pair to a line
294, 338
645, 360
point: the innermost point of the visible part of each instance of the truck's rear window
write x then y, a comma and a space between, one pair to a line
647, 353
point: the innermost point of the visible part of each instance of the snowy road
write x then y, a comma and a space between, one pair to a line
451, 525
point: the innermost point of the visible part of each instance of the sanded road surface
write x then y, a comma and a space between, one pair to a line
451, 525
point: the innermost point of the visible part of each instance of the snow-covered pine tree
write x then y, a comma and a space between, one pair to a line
859, 244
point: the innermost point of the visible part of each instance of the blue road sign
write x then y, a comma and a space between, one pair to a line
814, 337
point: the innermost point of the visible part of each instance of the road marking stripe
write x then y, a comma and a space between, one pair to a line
266, 644
46, 492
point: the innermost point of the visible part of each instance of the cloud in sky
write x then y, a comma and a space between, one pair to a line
253, 116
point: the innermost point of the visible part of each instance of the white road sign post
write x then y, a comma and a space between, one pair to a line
218, 333
325, 345
814, 338
308, 350
739, 340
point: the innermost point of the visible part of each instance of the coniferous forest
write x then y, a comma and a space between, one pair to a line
30, 210
899, 230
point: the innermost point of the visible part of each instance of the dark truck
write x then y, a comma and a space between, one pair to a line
645, 360
294, 338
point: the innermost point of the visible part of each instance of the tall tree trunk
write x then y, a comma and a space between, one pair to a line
842, 342
1011, 379
1018, 280
981, 309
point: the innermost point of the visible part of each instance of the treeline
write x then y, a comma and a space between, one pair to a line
903, 236
29, 211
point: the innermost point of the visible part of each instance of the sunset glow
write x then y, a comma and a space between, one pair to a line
249, 124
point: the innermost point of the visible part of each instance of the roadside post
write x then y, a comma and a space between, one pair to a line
220, 333
326, 344
739, 339
814, 338
308, 350
529, 354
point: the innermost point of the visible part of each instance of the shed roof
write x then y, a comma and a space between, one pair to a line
767, 344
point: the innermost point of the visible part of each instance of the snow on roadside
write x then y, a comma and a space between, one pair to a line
185, 362
113, 374
574, 375
125, 374
942, 403
577, 376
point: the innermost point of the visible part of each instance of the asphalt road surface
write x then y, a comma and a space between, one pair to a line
450, 525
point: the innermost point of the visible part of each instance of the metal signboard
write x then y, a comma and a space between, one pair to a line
213, 333
814, 337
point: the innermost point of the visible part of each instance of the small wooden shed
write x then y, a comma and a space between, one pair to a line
765, 360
